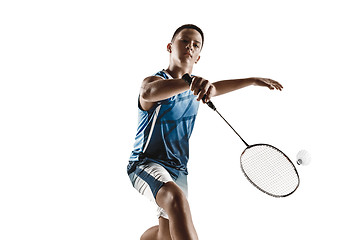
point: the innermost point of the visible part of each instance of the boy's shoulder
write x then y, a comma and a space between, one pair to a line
162, 74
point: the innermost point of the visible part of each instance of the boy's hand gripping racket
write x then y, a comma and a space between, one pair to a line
265, 166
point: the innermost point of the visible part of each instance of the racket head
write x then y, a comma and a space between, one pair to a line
269, 170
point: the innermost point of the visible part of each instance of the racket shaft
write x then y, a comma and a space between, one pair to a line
232, 128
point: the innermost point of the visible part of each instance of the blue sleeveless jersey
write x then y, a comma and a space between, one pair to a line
163, 132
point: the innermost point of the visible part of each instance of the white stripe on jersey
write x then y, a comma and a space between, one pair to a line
156, 112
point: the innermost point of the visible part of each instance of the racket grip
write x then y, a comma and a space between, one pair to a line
188, 79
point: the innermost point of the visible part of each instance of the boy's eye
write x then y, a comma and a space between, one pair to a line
196, 45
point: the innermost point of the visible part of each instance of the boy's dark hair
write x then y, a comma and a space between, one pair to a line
189, 26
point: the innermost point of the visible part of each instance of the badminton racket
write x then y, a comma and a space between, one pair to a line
264, 165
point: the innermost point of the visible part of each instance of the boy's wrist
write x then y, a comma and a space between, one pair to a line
252, 80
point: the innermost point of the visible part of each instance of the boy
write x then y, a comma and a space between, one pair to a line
167, 109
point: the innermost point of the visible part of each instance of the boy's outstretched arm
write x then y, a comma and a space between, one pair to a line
227, 86
210, 90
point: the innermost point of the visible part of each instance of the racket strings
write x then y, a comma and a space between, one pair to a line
269, 170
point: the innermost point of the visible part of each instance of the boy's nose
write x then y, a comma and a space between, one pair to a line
189, 47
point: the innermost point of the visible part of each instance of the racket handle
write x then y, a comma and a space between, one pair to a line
188, 79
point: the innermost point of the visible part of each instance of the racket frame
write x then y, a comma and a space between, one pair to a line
254, 184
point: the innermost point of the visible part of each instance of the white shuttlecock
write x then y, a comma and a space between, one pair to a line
303, 158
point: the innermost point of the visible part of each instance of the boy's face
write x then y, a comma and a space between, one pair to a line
186, 46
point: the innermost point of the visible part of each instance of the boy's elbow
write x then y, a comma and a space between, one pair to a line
146, 89
146, 94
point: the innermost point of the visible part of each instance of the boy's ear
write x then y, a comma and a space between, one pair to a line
168, 47
197, 59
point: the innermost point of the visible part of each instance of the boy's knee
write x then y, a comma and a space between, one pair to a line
171, 198
150, 234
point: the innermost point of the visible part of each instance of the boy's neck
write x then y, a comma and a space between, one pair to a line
178, 72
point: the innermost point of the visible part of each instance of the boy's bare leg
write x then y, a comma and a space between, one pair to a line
160, 232
171, 198
164, 229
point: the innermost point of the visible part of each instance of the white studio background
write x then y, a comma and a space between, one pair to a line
70, 72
